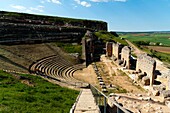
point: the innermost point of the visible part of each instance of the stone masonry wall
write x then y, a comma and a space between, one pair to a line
109, 49
147, 65
88, 47
117, 50
125, 56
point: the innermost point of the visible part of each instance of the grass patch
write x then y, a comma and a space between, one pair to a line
165, 57
107, 36
42, 97
70, 48
117, 90
121, 73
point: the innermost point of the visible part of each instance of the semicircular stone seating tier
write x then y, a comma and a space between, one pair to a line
58, 68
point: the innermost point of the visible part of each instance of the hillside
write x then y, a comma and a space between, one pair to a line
28, 93
27, 28
109, 37
20, 57
53, 20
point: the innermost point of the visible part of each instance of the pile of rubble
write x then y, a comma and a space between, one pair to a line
139, 103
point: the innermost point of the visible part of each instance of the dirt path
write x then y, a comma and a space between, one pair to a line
110, 75
87, 75
135, 50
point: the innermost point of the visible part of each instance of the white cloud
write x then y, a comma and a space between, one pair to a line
51, 1
120, 0
20, 8
56, 1
108, 0
83, 3
37, 9
88, 4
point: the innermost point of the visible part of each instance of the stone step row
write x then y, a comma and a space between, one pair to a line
100, 79
58, 68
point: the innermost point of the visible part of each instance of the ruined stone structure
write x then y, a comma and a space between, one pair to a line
88, 47
146, 65
109, 49
83, 56
116, 50
125, 56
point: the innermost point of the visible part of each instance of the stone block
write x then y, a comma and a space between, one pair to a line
165, 93
155, 92
167, 103
146, 80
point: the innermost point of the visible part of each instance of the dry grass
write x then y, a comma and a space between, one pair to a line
20, 57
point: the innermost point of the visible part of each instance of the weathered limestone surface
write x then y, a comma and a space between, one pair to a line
165, 93
125, 56
117, 47
115, 50
146, 65
88, 47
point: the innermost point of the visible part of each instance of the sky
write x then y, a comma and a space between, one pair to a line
121, 15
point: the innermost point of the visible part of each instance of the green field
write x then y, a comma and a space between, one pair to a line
150, 39
163, 38
37, 95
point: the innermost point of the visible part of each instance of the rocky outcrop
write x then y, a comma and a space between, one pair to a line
24, 33
26, 28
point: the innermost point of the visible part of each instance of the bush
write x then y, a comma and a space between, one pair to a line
138, 43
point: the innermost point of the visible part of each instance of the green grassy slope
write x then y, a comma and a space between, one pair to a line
33, 94
107, 36
70, 48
